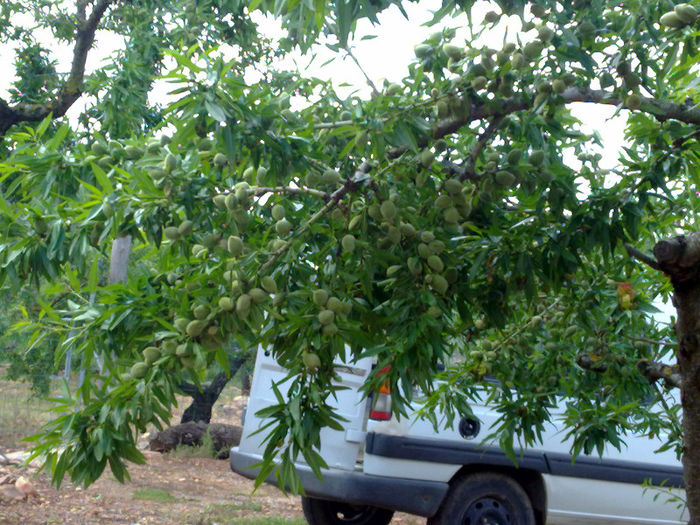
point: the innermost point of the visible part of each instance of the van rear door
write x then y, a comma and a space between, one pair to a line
338, 448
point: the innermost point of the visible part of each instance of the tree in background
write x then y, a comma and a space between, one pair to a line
460, 216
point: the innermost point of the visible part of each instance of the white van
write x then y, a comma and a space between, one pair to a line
378, 465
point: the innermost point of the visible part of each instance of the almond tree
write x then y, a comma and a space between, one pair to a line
460, 216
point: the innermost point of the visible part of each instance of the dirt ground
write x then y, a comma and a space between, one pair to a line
201, 492
170, 489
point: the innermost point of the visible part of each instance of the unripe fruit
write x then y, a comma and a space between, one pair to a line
201, 312
545, 33
185, 227
423, 250
479, 83
334, 304
452, 51
518, 61
492, 17
172, 233
393, 269
393, 89
268, 284
586, 29
320, 297
181, 324
311, 361
388, 210
687, 13
421, 51
220, 159
195, 328
283, 227
505, 178
348, 243
231, 202
434, 311
139, 370
537, 157
407, 229
538, 10
672, 20
235, 245
427, 236
248, 173
558, 86
633, 101
226, 304
453, 186
312, 179
151, 354
220, 201
170, 162
133, 152
98, 149
436, 263
442, 202
326, 317
243, 305
278, 212
329, 330
442, 108
436, 246
330, 177
426, 158
451, 215
169, 347
514, 156
532, 50
439, 284
258, 296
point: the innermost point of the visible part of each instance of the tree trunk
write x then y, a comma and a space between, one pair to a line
679, 258
203, 400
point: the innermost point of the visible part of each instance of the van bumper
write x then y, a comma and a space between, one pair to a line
405, 495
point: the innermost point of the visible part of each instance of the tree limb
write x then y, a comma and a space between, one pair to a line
480, 143
72, 88
661, 109
643, 257
654, 371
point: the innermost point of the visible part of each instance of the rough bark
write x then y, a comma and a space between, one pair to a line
679, 258
203, 400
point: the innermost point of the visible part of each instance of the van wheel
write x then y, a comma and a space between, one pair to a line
326, 512
485, 498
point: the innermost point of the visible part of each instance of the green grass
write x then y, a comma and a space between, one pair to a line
205, 450
151, 494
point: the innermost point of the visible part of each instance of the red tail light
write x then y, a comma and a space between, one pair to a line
381, 406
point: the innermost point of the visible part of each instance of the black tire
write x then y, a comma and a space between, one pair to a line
326, 512
485, 498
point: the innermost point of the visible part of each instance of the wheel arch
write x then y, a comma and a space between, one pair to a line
530, 480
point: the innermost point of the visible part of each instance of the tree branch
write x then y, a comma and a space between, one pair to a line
72, 88
480, 143
651, 370
661, 109
654, 371
641, 256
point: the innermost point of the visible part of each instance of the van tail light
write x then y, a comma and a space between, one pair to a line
381, 406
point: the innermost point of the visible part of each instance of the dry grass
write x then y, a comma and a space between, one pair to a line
21, 413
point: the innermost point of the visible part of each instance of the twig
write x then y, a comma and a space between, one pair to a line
643, 257
333, 200
357, 63
479, 145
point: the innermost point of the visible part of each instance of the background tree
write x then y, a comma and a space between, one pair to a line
460, 213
